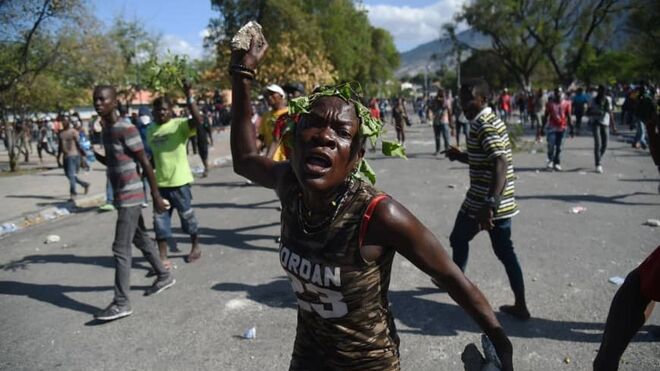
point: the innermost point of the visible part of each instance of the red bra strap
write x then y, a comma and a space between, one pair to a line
367, 216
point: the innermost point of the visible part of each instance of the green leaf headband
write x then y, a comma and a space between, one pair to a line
370, 127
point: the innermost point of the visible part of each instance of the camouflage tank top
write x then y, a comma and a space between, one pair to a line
344, 322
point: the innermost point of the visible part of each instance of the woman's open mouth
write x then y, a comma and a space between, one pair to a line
317, 163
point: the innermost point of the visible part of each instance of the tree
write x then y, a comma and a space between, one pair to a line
137, 47
560, 30
643, 26
457, 48
314, 42
512, 43
565, 30
33, 33
384, 58
486, 64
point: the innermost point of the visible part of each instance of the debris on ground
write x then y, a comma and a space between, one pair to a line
250, 333
653, 222
578, 209
617, 280
52, 238
8, 228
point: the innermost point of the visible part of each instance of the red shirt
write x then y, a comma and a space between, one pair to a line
558, 114
505, 102
375, 112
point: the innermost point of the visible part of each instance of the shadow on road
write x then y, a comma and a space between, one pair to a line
230, 205
616, 199
428, 317
40, 197
542, 169
233, 237
275, 294
237, 184
52, 294
102, 261
640, 180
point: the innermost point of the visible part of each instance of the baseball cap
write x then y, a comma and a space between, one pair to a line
275, 89
293, 87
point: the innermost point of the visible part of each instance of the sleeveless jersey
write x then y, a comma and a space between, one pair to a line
344, 322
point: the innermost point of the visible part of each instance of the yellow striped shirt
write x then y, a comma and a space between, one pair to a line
488, 139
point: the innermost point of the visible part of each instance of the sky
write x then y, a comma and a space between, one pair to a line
182, 23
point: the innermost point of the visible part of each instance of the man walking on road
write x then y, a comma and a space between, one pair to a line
489, 203
167, 139
123, 148
600, 117
558, 117
69, 146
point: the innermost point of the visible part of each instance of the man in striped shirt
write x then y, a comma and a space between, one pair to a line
123, 149
489, 203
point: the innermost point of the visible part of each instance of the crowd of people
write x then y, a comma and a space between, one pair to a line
552, 115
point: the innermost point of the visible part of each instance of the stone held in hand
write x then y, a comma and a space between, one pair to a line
242, 39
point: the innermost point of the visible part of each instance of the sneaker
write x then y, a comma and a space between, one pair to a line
557, 167
144, 205
106, 207
599, 169
160, 285
549, 165
112, 312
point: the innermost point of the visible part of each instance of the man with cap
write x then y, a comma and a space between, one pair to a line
276, 99
294, 89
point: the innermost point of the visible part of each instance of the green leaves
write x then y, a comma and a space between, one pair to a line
366, 171
299, 105
168, 76
394, 149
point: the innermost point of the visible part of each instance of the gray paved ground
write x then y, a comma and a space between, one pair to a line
48, 293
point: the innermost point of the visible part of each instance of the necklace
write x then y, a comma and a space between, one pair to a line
336, 205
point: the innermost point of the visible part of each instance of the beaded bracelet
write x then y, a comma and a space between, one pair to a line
242, 73
243, 67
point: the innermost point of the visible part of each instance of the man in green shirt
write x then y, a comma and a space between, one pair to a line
167, 139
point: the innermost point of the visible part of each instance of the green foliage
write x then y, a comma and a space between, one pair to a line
167, 77
643, 26
525, 32
487, 64
609, 67
314, 41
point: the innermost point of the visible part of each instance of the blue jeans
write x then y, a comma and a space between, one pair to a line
109, 194
465, 128
441, 128
71, 167
465, 228
180, 198
640, 132
555, 143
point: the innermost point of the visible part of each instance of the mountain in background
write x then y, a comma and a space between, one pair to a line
415, 61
